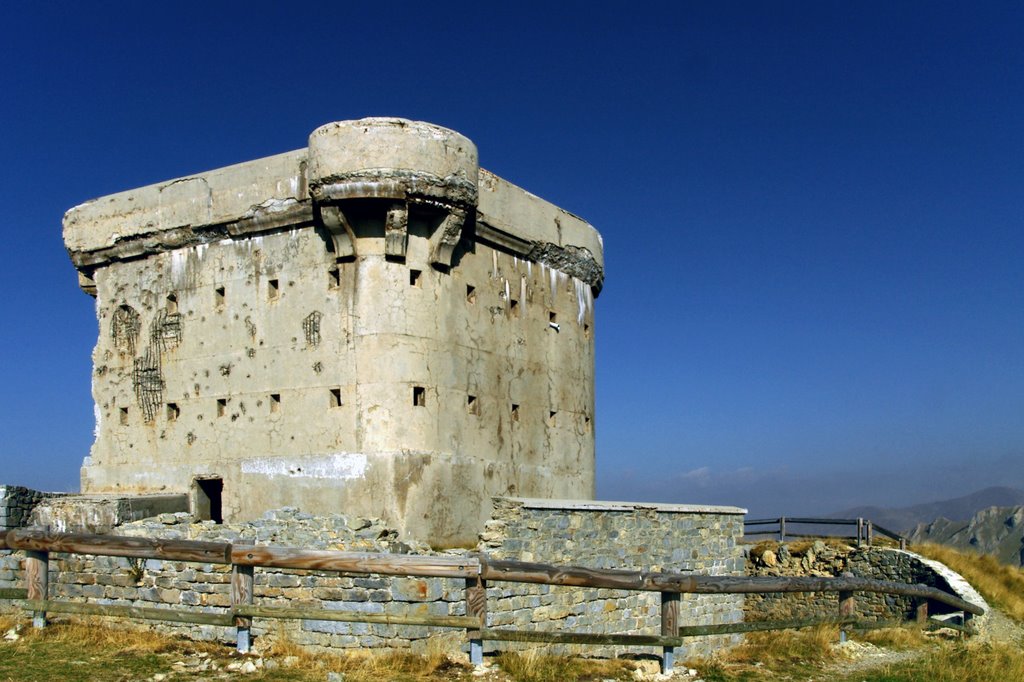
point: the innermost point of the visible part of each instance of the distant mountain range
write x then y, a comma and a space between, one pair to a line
957, 511
998, 531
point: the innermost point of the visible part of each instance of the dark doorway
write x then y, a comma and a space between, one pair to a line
208, 497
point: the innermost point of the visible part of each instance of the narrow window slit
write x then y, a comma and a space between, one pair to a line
172, 303
334, 278
275, 402
219, 296
551, 417
222, 406
172, 412
515, 412
123, 416
273, 289
414, 277
419, 396
472, 406
470, 293
336, 397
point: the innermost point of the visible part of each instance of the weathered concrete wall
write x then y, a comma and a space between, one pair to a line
613, 536
101, 514
373, 324
828, 560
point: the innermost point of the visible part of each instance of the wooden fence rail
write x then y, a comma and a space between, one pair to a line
477, 571
864, 529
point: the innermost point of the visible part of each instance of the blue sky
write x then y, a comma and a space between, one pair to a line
812, 211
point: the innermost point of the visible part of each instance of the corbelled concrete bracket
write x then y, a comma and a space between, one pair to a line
446, 237
409, 171
387, 158
396, 231
334, 220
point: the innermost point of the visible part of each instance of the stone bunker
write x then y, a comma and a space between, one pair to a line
372, 325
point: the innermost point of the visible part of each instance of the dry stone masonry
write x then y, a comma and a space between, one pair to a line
17, 504
632, 536
834, 559
372, 324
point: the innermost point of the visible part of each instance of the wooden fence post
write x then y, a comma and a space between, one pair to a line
860, 532
870, 532
476, 606
37, 581
846, 608
669, 628
921, 612
782, 529
242, 580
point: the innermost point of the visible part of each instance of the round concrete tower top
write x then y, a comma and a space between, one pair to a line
392, 158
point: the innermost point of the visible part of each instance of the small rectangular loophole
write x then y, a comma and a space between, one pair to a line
273, 289
414, 277
515, 412
551, 417
472, 404
219, 296
275, 402
336, 397
173, 411
586, 330
172, 303
470, 293
419, 396
587, 424
333, 278
513, 306
122, 414
222, 406
552, 317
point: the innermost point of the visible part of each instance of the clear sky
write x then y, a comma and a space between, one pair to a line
812, 211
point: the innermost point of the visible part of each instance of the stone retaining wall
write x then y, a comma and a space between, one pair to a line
17, 503
834, 559
587, 534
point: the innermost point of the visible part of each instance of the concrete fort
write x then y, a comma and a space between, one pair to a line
372, 324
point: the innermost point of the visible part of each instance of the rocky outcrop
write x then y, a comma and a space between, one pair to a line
998, 531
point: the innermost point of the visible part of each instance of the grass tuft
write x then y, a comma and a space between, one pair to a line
973, 661
534, 666
900, 639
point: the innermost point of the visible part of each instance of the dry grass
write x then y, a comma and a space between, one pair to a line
782, 648
972, 662
371, 666
793, 654
900, 639
95, 633
1001, 585
800, 547
533, 666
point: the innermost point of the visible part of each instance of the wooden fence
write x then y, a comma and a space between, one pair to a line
477, 571
864, 529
